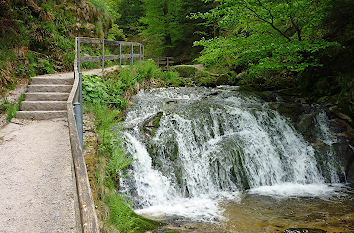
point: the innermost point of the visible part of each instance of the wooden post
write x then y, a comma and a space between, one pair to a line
120, 53
102, 56
140, 52
132, 53
78, 55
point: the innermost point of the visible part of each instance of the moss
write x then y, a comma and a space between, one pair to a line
203, 78
174, 154
185, 71
156, 123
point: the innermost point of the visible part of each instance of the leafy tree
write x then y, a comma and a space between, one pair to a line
130, 13
263, 36
169, 30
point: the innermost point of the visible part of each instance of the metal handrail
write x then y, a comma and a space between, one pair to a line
103, 58
78, 109
88, 217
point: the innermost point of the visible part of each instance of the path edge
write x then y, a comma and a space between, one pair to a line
88, 216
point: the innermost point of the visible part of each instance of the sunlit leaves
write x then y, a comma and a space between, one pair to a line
263, 35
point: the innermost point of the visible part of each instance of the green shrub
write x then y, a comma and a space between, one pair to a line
120, 213
172, 79
185, 71
203, 78
147, 70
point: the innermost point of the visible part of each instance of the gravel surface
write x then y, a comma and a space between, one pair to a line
37, 189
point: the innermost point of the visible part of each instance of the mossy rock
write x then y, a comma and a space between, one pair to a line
152, 124
185, 71
203, 78
305, 126
290, 110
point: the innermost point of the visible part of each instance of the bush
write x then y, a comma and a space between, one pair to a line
185, 71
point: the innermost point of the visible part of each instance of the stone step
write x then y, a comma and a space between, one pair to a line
50, 88
40, 115
51, 81
43, 105
46, 96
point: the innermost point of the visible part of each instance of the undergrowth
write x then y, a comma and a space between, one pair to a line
37, 37
11, 108
107, 97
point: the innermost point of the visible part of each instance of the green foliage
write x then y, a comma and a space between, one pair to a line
203, 78
169, 30
185, 71
5, 106
38, 37
130, 11
262, 37
124, 218
11, 108
97, 92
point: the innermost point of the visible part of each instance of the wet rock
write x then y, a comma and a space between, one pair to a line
289, 110
345, 155
335, 110
305, 125
151, 125
303, 230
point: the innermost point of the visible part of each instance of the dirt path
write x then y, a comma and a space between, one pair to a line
37, 189
37, 183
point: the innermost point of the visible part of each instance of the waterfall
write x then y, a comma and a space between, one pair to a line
194, 147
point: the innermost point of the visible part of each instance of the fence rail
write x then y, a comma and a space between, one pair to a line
88, 217
164, 62
103, 57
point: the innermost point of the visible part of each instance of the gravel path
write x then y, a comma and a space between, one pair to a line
37, 189
37, 183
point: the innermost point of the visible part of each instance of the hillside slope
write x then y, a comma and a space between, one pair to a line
37, 36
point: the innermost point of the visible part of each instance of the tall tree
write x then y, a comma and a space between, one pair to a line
169, 29
262, 36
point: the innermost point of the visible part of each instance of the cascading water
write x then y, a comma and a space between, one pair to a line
197, 146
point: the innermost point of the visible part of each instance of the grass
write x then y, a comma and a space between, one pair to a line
106, 98
112, 161
43, 44
125, 219
13, 108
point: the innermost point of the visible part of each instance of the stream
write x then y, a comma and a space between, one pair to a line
221, 160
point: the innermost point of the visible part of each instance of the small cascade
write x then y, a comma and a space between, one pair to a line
325, 135
194, 147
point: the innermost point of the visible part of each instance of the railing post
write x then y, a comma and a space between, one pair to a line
140, 55
102, 56
132, 53
78, 55
120, 53
78, 110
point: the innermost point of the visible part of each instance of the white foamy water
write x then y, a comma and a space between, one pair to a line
289, 190
161, 198
210, 147
195, 209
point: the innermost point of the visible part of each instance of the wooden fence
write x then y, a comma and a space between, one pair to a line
163, 62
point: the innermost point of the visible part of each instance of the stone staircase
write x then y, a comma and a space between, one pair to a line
46, 98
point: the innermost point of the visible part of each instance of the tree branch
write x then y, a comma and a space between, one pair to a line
271, 23
294, 24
